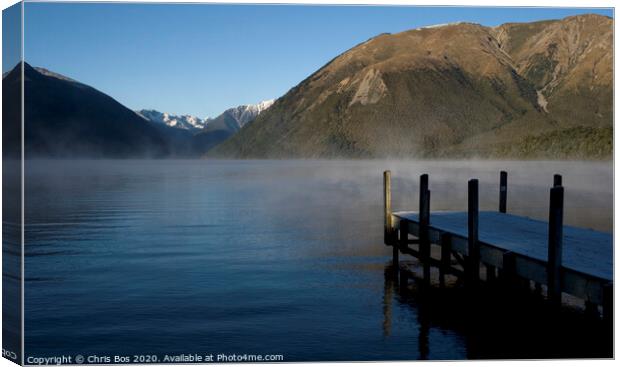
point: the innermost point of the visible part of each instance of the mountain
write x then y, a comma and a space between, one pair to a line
65, 118
232, 119
227, 124
527, 90
185, 122
209, 132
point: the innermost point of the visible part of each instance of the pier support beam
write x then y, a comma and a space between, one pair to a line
401, 242
473, 247
554, 261
424, 213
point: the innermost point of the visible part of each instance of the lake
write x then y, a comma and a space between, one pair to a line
156, 257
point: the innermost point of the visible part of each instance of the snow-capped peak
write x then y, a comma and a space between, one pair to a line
240, 114
186, 122
441, 25
246, 113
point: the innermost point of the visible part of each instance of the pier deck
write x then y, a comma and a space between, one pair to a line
585, 251
514, 250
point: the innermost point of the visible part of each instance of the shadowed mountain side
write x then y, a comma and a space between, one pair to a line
454, 90
64, 118
11, 113
204, 141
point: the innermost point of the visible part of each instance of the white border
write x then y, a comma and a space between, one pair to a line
482, 3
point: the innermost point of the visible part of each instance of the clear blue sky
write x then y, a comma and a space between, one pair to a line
201, 59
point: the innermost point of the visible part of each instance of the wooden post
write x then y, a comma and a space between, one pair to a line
388, 229
401, 241
503, 191
404, 234
503, 198
446, 248
554, 261
424, 213
557, 180
424, 202
473, 248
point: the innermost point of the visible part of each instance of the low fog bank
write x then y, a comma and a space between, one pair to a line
344, 190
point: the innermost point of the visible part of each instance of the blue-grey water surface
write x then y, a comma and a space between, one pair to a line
162, 257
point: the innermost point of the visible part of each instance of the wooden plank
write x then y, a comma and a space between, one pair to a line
584, 251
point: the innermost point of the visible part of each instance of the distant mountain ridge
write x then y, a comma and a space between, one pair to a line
246, 113
185, 122
65, 118
232, 119
519, 90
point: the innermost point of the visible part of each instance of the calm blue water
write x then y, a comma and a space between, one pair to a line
257, 257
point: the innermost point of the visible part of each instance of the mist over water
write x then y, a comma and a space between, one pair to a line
263, 257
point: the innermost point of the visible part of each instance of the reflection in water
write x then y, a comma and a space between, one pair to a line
388, 295
392, 276
495, 324
423, 342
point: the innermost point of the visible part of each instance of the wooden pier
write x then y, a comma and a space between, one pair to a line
507, 249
